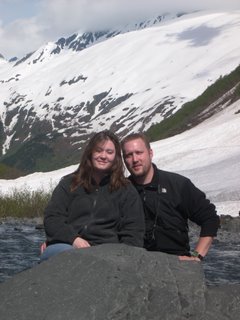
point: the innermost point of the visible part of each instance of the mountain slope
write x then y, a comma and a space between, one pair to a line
51, 103
208, 154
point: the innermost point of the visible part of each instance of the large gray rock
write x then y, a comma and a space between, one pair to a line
116, 282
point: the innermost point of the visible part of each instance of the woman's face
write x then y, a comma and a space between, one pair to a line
103, 156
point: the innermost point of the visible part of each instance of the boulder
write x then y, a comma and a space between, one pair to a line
230, 224
116, 282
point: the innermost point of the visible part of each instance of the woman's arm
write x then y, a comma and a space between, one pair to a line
56, 215
132, 226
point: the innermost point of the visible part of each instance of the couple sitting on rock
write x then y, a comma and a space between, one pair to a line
96, 204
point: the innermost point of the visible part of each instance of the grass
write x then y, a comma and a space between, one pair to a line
24, 204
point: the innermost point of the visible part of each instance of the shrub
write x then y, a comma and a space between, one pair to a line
24, 203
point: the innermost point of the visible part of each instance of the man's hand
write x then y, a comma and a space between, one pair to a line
80, 243
203, 245
186, 258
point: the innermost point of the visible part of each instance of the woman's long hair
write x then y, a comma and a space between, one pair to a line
83, 176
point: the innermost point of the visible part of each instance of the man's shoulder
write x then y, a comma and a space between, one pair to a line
171, 176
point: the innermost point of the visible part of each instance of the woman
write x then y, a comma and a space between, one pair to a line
96, 204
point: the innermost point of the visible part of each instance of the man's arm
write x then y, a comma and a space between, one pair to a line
202, 247
203, 213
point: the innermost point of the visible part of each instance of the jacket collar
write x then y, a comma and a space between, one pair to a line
105, 180
153, 185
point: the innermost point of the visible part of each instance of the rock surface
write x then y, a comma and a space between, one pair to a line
116, 282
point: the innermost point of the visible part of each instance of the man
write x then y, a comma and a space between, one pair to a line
169, 200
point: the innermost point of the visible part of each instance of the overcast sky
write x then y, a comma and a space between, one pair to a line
25, 25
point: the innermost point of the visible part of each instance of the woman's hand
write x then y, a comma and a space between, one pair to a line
43, 246
80, 243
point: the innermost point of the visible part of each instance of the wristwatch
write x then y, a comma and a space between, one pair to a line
197, 255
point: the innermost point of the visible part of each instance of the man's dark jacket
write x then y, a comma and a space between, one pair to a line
99, 216
169, 201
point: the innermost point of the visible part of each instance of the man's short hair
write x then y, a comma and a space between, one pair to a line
134, 136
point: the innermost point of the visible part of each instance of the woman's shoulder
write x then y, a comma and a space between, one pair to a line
128, 189
66, 181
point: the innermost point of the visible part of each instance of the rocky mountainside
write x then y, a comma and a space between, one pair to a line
125, 80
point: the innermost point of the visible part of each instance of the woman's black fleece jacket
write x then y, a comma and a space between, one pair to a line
99, 216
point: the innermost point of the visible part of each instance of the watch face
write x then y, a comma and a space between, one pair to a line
195, 254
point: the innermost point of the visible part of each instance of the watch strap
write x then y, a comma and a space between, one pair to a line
197, 255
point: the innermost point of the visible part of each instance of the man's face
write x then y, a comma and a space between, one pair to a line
137, 157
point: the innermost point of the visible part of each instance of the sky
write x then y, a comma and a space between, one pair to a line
25, 25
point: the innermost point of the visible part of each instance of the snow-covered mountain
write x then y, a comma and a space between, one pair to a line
79, 41
126, 80
208, 154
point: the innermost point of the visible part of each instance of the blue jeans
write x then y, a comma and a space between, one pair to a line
54, 249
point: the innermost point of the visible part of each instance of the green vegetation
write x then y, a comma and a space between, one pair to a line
37, 154
237, 92
7, 172
185, 118
27, 156
23, 204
